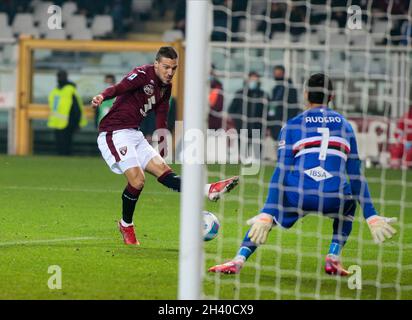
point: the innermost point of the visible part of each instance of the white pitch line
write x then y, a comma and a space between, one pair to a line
16, 243
59, 189
76, 190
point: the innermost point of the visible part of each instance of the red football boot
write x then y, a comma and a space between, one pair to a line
218, 188
334, 267
231, 267
128, 234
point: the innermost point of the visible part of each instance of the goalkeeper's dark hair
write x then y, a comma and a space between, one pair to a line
166, 52
319, 88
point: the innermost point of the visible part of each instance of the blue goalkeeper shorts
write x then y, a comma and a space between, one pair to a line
295, 206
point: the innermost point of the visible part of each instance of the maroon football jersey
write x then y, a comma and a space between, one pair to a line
139, 93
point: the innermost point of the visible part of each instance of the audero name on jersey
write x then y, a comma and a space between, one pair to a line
322, 119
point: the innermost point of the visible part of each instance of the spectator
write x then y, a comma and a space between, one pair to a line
66, 113
238, 8
118, 15
215, 102
277, 20
401, 151
283, 103
406, 33
318, 12
109, 80
248, 107
339, 12
297, 19
219, 21
180, 16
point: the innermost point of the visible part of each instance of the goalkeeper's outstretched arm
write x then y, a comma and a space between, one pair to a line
263, 222
379, 226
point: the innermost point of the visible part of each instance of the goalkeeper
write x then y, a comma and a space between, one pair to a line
317, 154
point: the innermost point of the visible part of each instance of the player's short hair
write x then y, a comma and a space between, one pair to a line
253, 74
110, 76
319, 88
166, 52
279, 67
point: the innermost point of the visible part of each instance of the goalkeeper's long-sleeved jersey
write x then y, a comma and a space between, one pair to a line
318, 154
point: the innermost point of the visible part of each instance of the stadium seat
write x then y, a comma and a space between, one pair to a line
134, 58
336, 39
102, 25
10, 53
281, 37
68, 9
142, 6
257, 37
172, 35
219, 58
111, 60
40, 10
4, 19
248, 26
23, 23
380, 30
258, 7
359, 38
82, 34
276, 55
5, 31
75, 23
55, 34
311, 38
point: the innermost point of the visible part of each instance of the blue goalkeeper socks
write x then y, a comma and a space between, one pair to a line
246, 249
335, 249
341, 231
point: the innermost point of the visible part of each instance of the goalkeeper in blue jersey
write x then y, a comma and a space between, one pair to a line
318, 170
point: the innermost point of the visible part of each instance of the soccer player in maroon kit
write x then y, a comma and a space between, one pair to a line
145, 89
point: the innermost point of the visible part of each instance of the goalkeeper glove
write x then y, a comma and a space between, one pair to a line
381, 228
261, 225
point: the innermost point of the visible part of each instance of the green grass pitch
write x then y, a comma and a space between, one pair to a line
63, 211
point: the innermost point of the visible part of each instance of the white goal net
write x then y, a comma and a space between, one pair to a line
262, 52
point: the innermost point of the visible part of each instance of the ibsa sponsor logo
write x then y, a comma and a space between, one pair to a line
318, 174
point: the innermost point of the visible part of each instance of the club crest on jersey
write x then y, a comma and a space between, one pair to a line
123, 151
148, 89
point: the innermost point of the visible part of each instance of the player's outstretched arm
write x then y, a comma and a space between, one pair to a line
97, 101
380, 227
262, 223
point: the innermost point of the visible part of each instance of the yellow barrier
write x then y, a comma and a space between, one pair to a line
27, 111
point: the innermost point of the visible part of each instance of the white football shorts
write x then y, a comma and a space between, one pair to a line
125, 149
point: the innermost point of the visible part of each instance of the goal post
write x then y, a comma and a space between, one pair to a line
191, 249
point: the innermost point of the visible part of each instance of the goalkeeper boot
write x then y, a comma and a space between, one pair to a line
218, 188
129, 237
333, 266
231, 267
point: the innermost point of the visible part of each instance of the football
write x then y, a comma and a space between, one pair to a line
210, 226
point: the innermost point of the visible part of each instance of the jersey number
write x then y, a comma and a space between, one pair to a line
148, 106
324, 142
